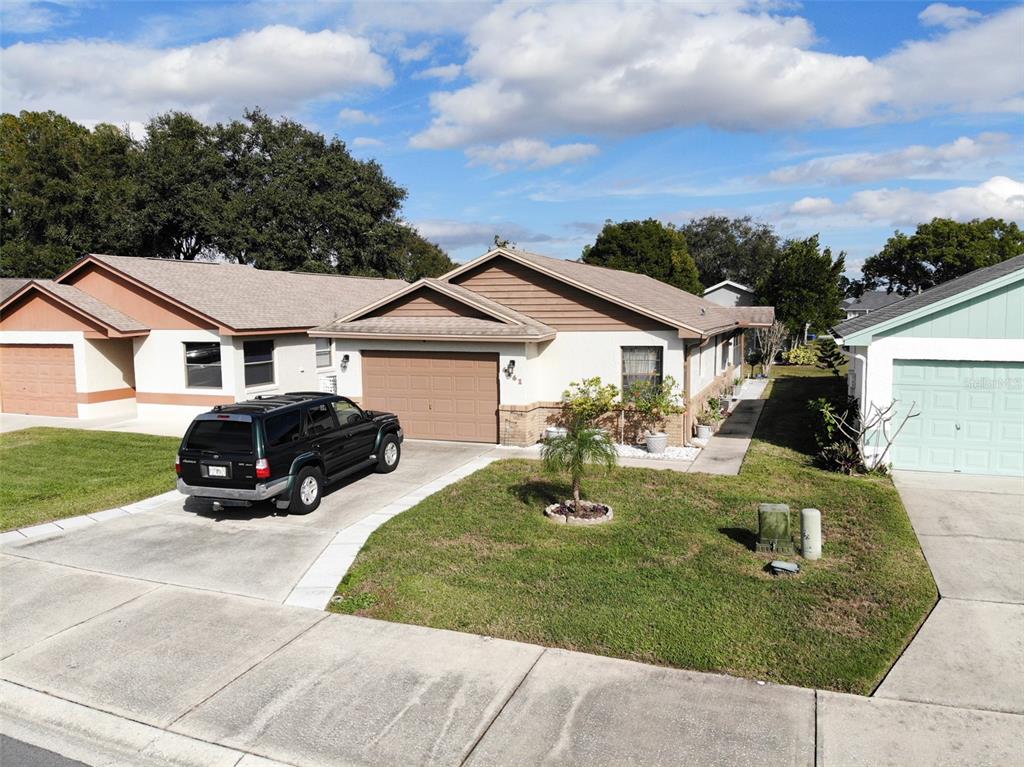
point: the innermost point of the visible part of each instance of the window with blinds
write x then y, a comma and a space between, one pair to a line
641, 363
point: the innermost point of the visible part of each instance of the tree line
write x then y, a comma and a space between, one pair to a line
804, 281
259, 191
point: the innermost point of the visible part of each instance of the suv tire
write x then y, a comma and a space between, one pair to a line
307, 490
390, 454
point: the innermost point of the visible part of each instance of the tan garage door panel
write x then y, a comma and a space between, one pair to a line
436, 395
38, 379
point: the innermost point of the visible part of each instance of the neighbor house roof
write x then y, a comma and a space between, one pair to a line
871, 301
932, 299
638, 292
82, 303
243, 298
727, 283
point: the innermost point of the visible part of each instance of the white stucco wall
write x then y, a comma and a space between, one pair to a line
109, 364
875, 387
294, 365
160, 362
542, 371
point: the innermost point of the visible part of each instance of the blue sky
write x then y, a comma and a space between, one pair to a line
539, 121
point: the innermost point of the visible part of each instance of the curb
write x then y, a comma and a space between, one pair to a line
320, 581
84, 520
95, 737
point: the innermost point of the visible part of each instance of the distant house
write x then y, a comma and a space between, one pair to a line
115, 336
955, 354
729, 293
869, 302
484, 352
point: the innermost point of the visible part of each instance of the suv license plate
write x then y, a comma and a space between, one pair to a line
218, 471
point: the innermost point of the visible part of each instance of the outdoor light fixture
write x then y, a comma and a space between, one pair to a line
510, 368
344, 361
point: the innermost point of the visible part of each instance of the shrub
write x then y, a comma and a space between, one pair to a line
587, 400
841, 456
830, 356
801, 355
654, 400
836, 452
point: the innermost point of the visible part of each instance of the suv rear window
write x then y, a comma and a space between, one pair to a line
221, 436
282, 428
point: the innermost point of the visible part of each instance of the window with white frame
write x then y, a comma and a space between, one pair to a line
259, 362
202, 365
640, 363
323, 352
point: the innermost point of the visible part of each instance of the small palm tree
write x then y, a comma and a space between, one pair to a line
581, 445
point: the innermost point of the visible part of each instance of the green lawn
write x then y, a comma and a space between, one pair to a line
671, 581
50, 474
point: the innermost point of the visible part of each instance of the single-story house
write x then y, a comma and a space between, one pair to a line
729, 293
870, 301
116, 336
954, 354
484, 352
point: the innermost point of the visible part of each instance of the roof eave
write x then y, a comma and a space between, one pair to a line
368, 335
110, 331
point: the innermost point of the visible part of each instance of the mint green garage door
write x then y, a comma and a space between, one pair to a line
972, 416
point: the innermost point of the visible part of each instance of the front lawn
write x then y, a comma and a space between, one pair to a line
48, 474
672, 580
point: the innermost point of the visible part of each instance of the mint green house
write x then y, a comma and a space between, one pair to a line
954, 354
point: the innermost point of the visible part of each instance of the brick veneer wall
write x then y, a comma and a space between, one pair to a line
524, 425
718, 385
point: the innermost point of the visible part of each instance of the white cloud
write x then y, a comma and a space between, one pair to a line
624, 68
445, 73
812, 206
948, 16
366, 142
975, 69
416, 17
418, 53
452, 235
530, 153
999, 197
26, 17
357, 117
277, 67
915, 161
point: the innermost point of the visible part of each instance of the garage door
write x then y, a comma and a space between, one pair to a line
436, 396
38, 379
972, 416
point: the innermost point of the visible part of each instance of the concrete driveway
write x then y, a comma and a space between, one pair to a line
970, 651
256, 552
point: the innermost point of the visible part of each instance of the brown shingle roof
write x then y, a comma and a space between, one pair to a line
244, 298
85, 303
11, 285
639, 290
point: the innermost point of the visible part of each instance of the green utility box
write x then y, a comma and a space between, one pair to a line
773, 532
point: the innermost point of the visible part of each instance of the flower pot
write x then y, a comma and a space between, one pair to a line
703, 432
657, 442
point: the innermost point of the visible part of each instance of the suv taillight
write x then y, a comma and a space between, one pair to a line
177, 465
262, 469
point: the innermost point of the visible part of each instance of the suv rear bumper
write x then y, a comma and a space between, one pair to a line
260, 493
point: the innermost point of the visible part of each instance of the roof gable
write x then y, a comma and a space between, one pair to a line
727, 284
46, 305
861, 330
692, 315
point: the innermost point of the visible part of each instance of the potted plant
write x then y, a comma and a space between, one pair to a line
584, 402
708, 418
653, 401
571, 453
